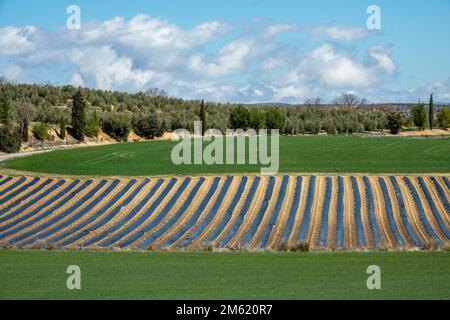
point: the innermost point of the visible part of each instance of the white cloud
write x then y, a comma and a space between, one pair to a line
254, 64
383, 59
332, 69
77, 80
110, 71
16, 41
341, 33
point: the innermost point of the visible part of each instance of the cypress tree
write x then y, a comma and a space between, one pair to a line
431, 112
62, 128
203, 116
25, 130
79, 116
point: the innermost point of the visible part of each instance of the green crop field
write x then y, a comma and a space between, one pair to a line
337, 154
152, 275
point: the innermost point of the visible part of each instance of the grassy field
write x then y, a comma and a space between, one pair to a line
134, 275
337, 154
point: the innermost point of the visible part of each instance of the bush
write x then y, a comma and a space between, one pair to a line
301, 246
444, 117
240, 118
394, 122
313, 126
148, 126
9, 139
257, 119
118, 126
92, 127
275, 119
40, 131
419, 116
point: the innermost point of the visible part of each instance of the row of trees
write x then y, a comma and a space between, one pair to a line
86, 111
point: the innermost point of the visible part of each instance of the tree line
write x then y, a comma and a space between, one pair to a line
84, 112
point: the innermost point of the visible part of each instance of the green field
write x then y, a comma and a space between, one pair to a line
140, 275
326, 154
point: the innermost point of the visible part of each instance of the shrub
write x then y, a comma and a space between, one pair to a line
444, 117
301, 246
40, 131
257, 119
313, 126
275, 119
328, 126
92, 127
419, 116
147, 125
394, 122
118, 126
283, 246
240, 118
9, 139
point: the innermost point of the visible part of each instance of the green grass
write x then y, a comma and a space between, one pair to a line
326, 154
140, 275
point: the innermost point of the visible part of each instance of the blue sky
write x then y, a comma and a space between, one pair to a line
234, 50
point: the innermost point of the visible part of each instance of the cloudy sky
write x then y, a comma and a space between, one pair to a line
233, 50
